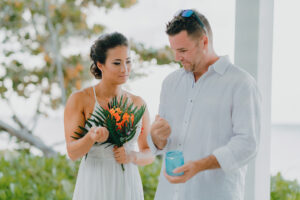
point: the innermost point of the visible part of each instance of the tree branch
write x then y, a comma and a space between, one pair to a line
37, 112
21, 125
27, 137
55, 51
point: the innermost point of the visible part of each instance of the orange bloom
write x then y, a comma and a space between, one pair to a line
118, 110
142, 130
117, 116
126, 117
119, 125
112, 111
132, 118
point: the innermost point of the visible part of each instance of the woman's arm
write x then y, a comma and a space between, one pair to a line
144, 156
74, 117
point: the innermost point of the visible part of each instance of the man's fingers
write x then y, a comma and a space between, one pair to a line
157, 117
164, 130
174, 179
180, 169
161, 121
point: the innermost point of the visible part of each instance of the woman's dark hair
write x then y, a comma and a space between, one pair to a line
101, 46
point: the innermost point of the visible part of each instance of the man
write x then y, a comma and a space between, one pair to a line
209, 110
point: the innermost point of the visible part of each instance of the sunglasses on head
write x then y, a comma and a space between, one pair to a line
190, 13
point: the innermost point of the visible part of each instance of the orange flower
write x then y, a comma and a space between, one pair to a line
119, 125
117, 116
142, 130
126, 117
112, 111
118, 110
132, 118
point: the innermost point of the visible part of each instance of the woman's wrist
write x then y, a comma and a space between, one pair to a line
133, 157
90, 136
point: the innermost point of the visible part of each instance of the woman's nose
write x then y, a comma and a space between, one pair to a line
124, 68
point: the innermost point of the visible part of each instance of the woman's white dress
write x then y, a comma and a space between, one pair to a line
100, 177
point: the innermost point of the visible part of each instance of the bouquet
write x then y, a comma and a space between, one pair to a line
120, 120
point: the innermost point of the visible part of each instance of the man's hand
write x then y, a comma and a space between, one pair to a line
191, 168
160, 131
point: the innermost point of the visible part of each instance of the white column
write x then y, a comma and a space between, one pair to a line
253, 52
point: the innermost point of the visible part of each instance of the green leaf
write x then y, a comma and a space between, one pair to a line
79, 134
84, 130
88, 123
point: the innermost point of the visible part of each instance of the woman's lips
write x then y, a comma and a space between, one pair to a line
123, 75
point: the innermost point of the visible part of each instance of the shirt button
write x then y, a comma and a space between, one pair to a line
191, 100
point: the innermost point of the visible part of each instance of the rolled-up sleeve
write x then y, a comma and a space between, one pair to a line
246, 119
153, 148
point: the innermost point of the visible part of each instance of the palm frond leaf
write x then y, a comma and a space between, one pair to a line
118, 134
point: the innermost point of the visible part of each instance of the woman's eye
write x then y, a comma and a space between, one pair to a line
116, 63
128, 61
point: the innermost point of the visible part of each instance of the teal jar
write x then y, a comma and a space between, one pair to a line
173, 160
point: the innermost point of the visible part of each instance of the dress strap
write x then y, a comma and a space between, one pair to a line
95, 94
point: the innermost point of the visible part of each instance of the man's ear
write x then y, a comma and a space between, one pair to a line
205, 41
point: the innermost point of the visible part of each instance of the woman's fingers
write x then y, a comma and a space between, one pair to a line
101, 134
119, 154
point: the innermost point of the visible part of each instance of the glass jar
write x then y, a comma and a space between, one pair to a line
173, 160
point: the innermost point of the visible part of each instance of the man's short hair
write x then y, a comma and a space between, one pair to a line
189, 24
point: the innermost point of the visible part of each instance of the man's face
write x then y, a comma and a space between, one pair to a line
187, 50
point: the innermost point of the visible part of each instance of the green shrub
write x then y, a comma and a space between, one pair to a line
282, 189
149, 175
26, 176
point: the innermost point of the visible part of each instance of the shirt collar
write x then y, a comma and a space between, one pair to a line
220, 65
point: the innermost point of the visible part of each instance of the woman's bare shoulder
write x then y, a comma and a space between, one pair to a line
137, 100
80, 96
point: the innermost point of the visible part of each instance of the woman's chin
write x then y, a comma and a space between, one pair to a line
122, 80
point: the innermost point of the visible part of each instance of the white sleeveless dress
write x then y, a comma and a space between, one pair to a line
100, 177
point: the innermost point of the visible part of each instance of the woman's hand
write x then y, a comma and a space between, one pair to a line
122, 157
99, 134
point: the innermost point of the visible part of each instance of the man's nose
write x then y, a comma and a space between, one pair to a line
178, 57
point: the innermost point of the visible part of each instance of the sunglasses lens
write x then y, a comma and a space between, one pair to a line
187, 13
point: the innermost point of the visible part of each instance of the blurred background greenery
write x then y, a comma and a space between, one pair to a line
29, 177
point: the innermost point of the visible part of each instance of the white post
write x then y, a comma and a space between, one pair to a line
253, 52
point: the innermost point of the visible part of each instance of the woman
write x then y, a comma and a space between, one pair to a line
100, 175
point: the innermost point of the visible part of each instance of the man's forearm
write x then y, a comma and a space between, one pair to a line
209, 162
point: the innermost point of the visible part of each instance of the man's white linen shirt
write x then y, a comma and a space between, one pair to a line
220, 115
